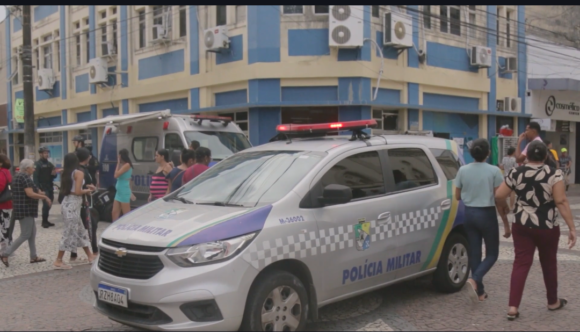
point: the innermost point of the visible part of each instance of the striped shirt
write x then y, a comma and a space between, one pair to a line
159, 185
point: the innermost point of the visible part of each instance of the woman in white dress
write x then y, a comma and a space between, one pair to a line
75, 234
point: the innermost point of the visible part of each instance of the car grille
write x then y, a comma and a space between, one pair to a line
130, 266
133, 247
135, 313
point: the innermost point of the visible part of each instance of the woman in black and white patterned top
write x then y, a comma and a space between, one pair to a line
540, 190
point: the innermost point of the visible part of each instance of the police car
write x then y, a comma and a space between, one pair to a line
268, 236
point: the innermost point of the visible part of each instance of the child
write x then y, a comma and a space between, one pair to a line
508, 162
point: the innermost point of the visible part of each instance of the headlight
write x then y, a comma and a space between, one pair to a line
210, 252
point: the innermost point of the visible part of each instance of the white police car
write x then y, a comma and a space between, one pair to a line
266, 237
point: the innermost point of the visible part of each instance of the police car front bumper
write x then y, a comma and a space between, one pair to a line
173, 299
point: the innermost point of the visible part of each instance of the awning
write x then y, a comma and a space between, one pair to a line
112, 119
554, 84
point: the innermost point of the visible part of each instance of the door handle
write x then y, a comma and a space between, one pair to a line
383, 218
446, 204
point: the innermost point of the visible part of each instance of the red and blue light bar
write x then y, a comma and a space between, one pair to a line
326, 127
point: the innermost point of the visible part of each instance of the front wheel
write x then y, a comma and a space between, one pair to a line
278, 301
453, 267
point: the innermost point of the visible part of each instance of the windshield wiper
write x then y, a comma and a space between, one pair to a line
182, 200
220, 204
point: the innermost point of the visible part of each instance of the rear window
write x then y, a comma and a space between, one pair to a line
411, 168
144, 148
448, 161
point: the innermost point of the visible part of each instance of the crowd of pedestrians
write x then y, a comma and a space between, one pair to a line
20, 195
534, 180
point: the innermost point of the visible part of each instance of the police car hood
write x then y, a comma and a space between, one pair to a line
169, 224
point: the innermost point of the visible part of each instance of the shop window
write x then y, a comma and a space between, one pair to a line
388, 120
321, 9
87, 135
306, 115
411, 169
50, 138
221, 15
239, 118
289, 10
501, 121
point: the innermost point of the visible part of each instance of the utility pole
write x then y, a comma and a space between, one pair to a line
29, 126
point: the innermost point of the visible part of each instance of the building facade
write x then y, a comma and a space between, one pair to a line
553, 97
279, 68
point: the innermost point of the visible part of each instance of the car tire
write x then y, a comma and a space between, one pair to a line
262, 297
453, 267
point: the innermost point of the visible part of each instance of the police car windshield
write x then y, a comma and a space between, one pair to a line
251, 179
221, 143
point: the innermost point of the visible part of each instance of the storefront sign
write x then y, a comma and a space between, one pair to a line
556, 105
546, 124
19, 110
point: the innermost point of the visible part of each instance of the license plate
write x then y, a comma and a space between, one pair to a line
113, 295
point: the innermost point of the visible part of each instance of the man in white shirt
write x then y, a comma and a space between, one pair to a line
531, 134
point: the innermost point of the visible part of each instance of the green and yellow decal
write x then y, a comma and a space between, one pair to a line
447, 220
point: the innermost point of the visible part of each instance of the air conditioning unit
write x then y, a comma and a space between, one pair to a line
159, 32
109, 48
216, 38
98, 72
45, 79
512, 104
511, 64
481, 56
346, 26
397, 30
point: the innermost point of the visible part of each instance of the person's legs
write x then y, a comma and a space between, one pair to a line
46, 208
524, 249
547, 243
116, 210
26, 230
32, 241
11, 229
489, 229
474, 238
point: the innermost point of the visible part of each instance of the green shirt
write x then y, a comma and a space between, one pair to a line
477, 182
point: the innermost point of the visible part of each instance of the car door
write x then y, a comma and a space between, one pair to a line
354, 237
421, 200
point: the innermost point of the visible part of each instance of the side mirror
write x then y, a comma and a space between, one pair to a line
335, 194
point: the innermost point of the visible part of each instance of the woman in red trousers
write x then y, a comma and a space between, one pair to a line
539, 190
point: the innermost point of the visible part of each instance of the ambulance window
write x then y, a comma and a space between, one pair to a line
144, 148
173, 142
361, 172
411, 169
448, 161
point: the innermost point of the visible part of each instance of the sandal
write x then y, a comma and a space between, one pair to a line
563, 303
484, 297
4, 260
63, 266
512, 317
473, 290
37, 260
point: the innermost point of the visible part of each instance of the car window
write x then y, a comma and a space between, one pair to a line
411, 168
362, 173
144, 148
173, 142
448, 161
222, 144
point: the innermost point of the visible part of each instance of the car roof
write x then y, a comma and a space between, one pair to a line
342, 142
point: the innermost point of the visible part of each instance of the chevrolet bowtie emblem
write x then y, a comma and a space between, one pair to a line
121, 252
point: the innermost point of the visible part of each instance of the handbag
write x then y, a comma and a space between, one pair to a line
6, 194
